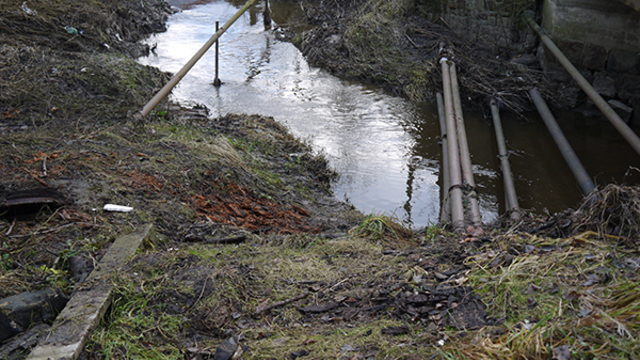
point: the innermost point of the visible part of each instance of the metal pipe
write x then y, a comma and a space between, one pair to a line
608, 112
216, 80
586, 185
507, 176
445, 209
455, 175
465, 157
180, 74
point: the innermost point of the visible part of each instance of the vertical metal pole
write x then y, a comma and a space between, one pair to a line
465, 157
166, 89
507, 176
445, 209
455, 191
267, 15
216, 80
586, 185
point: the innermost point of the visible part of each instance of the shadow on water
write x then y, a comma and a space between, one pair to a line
386, 149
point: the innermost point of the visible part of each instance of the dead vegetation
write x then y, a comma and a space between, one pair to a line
613, 210
398, 44
257, 249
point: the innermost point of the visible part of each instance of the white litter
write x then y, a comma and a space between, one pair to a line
119, 208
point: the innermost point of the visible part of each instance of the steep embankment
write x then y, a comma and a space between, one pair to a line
302, 280
398, 44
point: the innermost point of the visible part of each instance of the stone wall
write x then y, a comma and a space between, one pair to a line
602, 39
494, 23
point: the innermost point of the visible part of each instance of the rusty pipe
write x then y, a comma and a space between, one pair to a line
581, 175
445, 211
613, 117
465, 156
182, 72
507, 176
455, 175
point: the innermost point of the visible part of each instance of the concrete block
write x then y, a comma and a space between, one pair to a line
32, 308
83, 312
624, 61
609, 24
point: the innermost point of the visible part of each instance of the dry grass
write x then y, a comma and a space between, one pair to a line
556, 292
612, 210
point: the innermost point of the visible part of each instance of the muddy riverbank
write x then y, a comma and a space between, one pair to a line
311, 277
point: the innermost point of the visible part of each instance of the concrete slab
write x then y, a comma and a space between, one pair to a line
72, 328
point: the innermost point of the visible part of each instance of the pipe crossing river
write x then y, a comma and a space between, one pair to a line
622, 127
584, 181
460, 172
385, 148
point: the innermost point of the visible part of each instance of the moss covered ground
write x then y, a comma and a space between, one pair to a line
256, 248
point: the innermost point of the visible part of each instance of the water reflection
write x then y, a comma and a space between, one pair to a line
386, 149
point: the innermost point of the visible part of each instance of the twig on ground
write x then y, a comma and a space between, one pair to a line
281, 303
11, 227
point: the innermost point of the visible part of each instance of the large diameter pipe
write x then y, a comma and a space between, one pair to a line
455, 175
465, 156
608, 112
180, 74
445, 209
584, 181
507, 176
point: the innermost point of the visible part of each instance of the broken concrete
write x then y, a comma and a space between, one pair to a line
22, 311
88, 304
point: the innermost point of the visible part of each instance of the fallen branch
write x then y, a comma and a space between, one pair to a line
11, 227
260, 310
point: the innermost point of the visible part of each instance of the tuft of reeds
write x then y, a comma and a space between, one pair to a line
381, 227
612, 210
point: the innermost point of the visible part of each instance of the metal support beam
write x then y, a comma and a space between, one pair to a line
180, 74
445, 209
608, 112
455, 175
507, 176
584, 181
463, 145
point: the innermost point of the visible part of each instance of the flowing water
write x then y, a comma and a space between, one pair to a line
385, 148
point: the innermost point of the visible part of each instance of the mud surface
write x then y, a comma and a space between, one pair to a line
398, 46
256, 247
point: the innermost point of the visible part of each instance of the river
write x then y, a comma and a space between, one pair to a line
385, 148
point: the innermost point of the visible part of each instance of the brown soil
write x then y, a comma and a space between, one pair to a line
66, 127
306, 272
398, 46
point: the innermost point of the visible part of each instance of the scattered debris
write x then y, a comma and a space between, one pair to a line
117, 208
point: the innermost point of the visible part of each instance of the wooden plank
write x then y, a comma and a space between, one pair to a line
72, 328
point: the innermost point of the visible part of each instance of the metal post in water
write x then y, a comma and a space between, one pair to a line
216, 80
604, 107
266, 16
465, 157
507, 176
182, 72
445, 209
584, 181
455, 175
